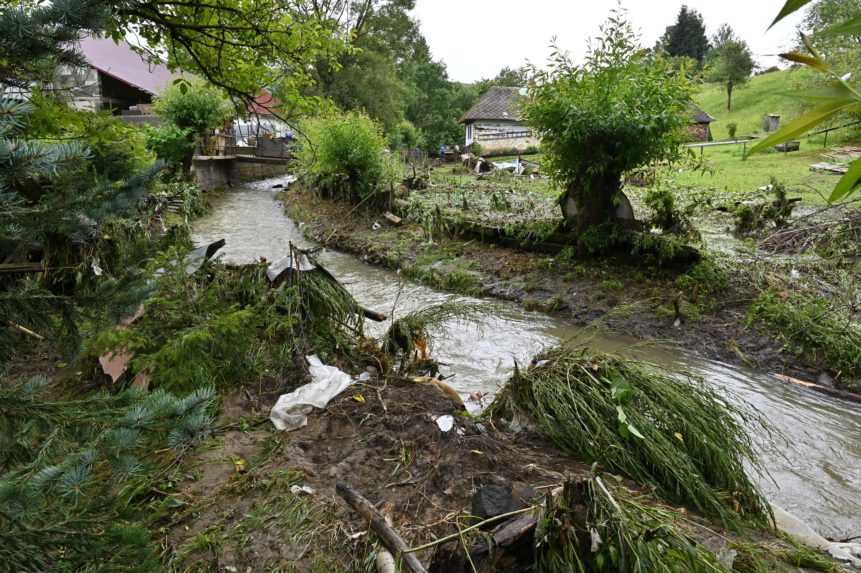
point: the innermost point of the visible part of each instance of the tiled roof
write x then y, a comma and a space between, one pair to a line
498, 103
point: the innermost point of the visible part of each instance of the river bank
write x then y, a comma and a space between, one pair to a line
705, 309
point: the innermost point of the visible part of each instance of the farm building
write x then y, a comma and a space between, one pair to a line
496, 125
700, 126
115, 77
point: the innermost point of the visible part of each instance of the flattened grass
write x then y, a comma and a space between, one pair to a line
676, 435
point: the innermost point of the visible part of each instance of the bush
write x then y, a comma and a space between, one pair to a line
346, 158
731, 128
195, 106
812, 329
170, 143
665, 215
405, 136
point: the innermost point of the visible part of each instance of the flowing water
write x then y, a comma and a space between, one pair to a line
814, 457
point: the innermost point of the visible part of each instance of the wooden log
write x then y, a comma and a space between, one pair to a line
390, 538
392, 218
374, 315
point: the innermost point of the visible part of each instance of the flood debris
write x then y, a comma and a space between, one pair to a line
389, 537
651, 425
291, 410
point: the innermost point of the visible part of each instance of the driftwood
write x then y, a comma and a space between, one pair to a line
390, 538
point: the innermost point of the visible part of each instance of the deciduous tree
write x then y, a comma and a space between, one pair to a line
730, 61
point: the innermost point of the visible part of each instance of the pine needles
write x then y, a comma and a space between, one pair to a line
678, 436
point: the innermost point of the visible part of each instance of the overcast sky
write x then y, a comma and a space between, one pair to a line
476, 38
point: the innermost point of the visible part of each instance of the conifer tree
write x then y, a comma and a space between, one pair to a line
687, 37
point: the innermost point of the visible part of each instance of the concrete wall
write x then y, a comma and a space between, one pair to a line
214, 172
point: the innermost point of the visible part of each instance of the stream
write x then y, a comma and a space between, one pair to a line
814, 456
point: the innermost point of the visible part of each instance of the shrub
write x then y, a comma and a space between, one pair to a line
731, 129
665, 215
190, 108
196, 106
346, 158
170, 143
811, 328
404, 135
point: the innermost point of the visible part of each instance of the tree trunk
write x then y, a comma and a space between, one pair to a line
729, 87
583, 209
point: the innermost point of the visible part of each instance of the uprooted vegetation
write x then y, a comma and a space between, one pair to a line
678, 435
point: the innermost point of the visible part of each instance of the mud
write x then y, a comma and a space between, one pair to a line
625, 300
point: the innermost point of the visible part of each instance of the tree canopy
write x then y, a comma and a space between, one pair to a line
617, 111
687, 37
730, 61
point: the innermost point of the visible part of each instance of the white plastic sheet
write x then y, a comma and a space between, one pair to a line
291, 410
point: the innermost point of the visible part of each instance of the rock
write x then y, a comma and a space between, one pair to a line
492, 500
496, 499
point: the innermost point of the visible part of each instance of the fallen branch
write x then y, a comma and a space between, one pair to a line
25, 330
478, 525
390, 538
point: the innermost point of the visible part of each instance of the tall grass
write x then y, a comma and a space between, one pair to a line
677, 435
596, 525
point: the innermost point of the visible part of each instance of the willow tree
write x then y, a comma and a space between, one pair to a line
619, 110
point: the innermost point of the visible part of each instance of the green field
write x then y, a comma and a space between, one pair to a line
768, 93
728, 173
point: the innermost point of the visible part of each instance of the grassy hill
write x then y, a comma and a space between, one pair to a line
768, 93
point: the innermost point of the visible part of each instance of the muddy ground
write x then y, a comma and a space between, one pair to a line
639, 302
238, 505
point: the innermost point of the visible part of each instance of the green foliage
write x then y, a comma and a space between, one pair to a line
598, 525
405, 135
196, 106
345, 158
773, 212
70, 468
704, 278
224, 327
811, 328
678, 435
661, 200
403, 336
615, 113
836, 98
507, 77
730, 62
169, 142
687, 37
731, 129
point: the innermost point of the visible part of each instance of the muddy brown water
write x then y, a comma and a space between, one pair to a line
814, 456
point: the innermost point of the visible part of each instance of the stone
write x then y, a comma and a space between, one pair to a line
496, 499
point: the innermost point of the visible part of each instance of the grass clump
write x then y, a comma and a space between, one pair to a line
677, 435
597, 525
811, 328
411, 334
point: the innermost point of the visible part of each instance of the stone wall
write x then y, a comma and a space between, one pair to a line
219, 172
700, 132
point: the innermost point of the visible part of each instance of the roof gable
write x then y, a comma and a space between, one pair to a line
121, 62
498, 103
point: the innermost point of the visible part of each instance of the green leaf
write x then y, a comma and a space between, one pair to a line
848, 28
807, 60
806, 122
788, 8
633, 429
848, 183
